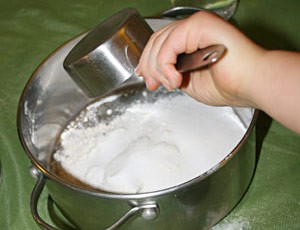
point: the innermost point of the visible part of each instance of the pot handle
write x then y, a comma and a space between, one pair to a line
179, 11
147, 210
35, 195
225, 12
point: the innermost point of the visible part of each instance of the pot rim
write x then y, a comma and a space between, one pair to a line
107, 194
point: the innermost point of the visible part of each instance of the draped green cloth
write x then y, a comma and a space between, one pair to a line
31, 29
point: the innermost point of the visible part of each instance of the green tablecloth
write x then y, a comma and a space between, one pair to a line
31, 29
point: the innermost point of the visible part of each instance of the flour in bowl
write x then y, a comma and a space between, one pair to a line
149, 145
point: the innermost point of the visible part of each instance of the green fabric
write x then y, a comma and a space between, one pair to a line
31, 29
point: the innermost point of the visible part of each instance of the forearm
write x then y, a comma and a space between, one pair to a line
274, 87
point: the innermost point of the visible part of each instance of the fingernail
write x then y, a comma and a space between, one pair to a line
166, 84
148, 84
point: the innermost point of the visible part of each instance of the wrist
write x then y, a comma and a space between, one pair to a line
252, 78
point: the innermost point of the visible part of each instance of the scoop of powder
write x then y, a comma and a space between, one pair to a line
151, 146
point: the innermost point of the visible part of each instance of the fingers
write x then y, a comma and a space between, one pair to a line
153, 66
146, 67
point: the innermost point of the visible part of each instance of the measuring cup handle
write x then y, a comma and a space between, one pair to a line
200, 58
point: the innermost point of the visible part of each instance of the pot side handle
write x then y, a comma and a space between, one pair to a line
35, 195
148, 211
179, 12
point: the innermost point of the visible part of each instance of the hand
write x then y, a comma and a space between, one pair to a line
224, 83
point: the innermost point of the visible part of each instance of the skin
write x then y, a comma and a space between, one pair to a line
247, 75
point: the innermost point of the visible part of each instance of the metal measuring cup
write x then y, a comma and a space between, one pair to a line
108, 55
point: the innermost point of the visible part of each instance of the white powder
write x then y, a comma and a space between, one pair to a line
151, 146
234, 223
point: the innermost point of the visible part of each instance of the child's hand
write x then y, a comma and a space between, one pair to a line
220, 84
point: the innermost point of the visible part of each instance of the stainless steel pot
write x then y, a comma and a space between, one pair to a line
51, 99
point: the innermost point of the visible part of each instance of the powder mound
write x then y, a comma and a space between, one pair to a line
148, 145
